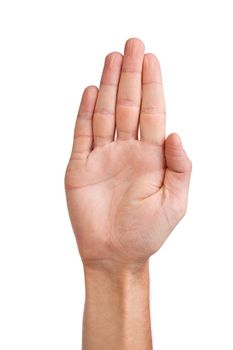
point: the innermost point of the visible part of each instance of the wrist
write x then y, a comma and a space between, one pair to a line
117, 304
118, 278
112, 268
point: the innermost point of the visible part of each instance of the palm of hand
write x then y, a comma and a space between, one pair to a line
119, 187
120, 205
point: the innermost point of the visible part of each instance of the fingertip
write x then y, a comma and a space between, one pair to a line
176, 156
88, 98
178, 142
151, 57
135, 43
151, 70
174, 139
113, 59
90, 90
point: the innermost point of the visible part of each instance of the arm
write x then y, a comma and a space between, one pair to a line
124, 195
117, 314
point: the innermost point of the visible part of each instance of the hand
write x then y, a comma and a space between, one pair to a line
125, 195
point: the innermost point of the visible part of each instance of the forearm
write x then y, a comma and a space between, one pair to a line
117, 313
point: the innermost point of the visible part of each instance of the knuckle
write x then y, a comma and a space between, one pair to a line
189, 165
183, 210
128, 102
153, 110
180, 209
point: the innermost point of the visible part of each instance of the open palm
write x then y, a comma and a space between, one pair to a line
125, 193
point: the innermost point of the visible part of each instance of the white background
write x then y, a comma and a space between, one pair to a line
50, 50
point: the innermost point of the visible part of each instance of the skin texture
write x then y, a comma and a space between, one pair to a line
127, 188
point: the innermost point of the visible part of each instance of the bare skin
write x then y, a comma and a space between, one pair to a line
125, 195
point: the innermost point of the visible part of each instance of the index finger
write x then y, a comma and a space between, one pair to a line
153, 110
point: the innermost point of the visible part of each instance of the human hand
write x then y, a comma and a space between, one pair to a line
125, 195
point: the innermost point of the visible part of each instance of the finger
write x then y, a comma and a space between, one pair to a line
152, 115
129, 91
179, 166
83, 135
104, 114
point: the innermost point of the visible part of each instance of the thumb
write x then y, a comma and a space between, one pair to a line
179, 167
